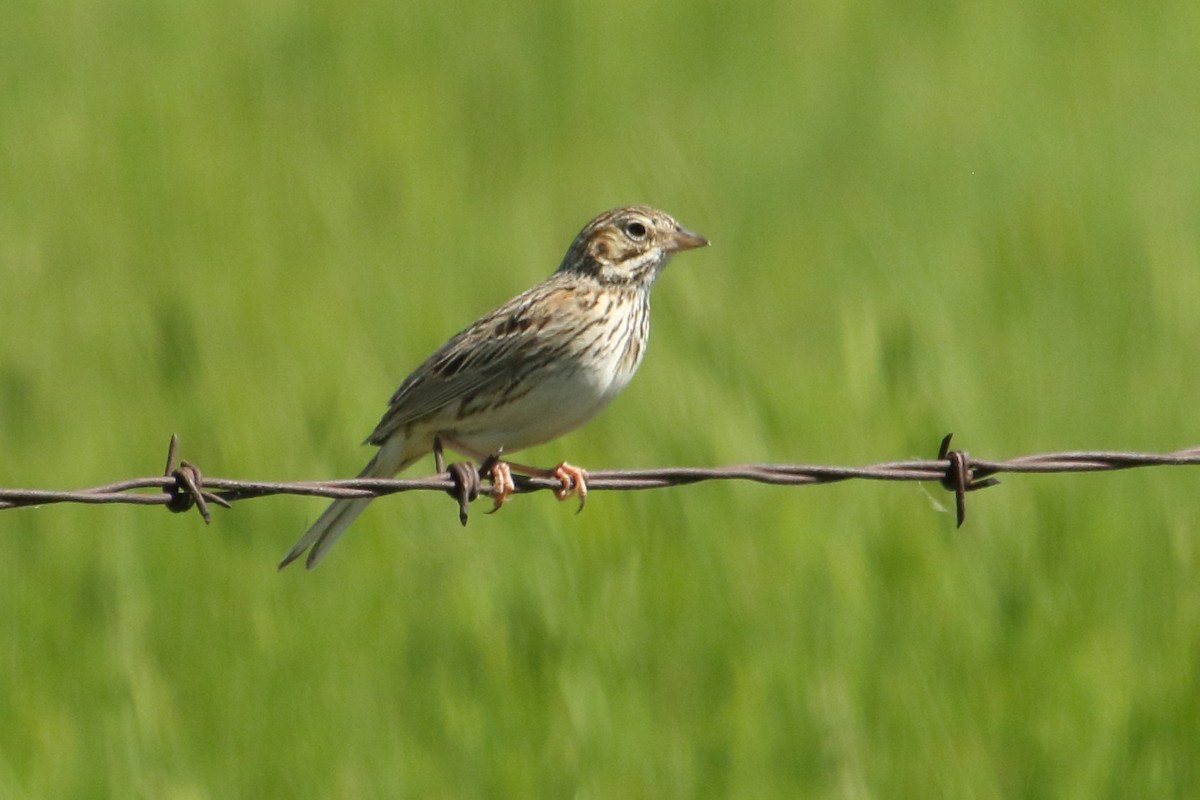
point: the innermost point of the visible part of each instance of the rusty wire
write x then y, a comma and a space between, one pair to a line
183, 487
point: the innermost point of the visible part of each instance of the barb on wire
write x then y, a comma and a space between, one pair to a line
960, 478
184, 486
185, 491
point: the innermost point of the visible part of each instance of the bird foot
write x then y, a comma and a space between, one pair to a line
574, 482
500, 474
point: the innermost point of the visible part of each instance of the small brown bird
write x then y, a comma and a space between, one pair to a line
537, 367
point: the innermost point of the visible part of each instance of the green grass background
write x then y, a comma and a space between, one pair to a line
245, 222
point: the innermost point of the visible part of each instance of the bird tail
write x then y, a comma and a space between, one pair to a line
329, 527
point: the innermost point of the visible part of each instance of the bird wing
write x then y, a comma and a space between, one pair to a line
494, 352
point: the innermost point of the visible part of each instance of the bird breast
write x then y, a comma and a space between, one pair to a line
571, 387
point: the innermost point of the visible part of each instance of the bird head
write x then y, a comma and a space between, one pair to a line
628, 245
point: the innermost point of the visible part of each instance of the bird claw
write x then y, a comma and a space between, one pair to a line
574, 482
500, 474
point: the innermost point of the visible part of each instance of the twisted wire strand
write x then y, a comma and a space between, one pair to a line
183, 487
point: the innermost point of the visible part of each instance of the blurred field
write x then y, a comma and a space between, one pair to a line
246, 222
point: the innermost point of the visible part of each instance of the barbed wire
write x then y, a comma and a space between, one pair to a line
183, 487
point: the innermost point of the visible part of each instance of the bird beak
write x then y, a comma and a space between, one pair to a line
683, 239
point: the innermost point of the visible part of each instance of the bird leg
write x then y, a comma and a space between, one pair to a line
439, 458
572, 478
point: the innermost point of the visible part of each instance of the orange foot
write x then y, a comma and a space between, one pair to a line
574, 482
500, 475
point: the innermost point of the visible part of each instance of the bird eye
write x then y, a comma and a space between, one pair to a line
635, 230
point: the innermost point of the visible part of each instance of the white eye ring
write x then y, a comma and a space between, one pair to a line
635, 230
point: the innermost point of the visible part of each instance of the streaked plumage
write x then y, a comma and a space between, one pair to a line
533, 369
